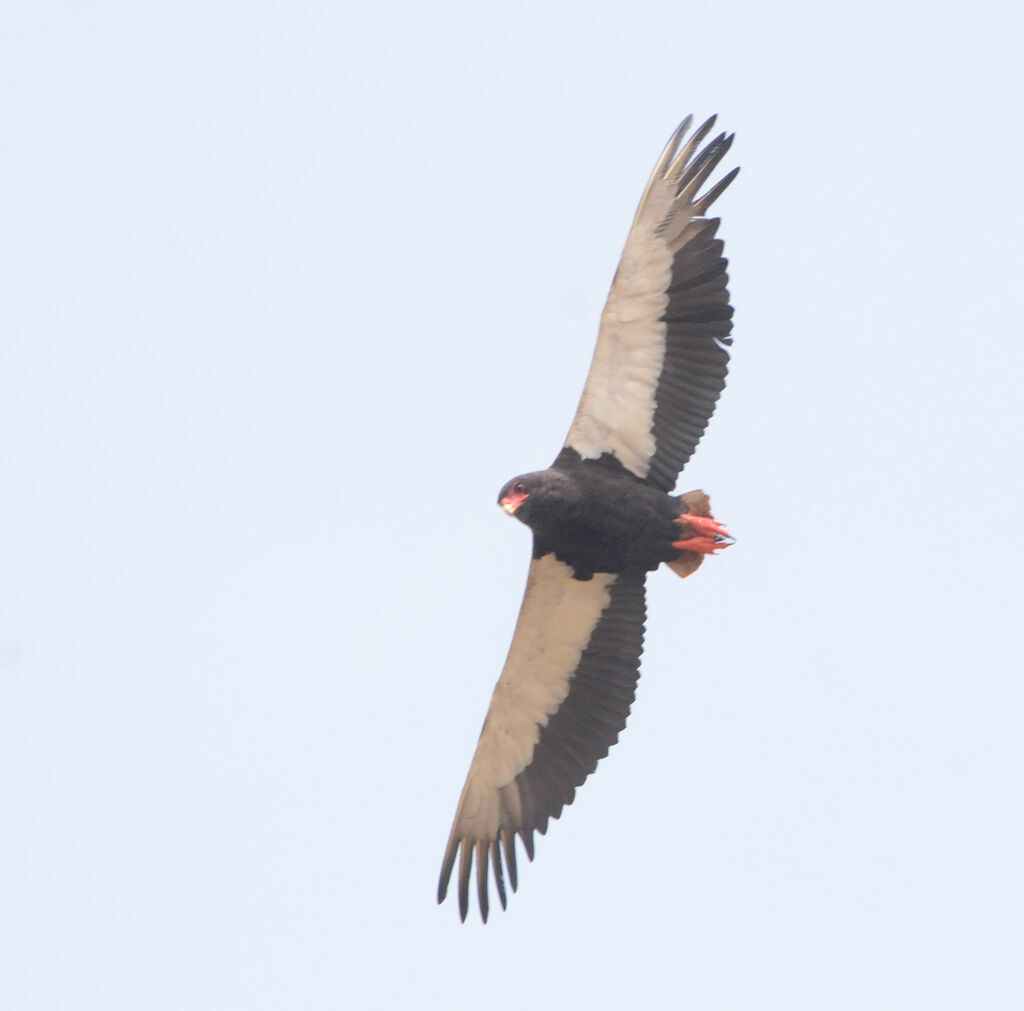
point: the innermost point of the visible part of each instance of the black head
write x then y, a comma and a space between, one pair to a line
530, 496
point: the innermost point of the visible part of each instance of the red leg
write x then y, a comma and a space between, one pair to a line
702, 545
708, 537
706, 526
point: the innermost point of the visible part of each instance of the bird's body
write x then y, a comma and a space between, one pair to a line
602, 517
631, 530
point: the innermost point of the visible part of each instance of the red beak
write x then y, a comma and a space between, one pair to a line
513, 500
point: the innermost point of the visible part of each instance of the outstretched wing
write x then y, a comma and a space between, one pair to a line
660, 364
559, 705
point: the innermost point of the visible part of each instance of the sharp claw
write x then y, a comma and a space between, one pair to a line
702, 545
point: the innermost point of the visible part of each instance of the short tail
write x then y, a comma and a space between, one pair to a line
697, 504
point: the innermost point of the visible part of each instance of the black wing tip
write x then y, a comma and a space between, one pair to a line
465, 866
722, 144
700, 168
482, 892
508, 842
485, 853
727, 178
703, 203
447, 866
706, 127
499, 877
684, 125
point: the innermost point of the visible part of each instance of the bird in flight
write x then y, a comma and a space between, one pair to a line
602, 517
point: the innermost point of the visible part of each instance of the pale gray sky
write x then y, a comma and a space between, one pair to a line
287, 292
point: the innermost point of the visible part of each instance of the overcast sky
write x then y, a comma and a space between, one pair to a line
288, 291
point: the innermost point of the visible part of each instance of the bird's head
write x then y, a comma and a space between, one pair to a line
529, 496
512, 497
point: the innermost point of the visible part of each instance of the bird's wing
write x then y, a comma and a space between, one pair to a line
660, 363
559, 705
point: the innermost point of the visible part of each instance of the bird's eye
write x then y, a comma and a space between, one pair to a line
517, 487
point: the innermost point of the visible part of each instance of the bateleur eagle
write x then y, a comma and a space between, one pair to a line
602, 517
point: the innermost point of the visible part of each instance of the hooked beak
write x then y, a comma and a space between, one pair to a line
513, 500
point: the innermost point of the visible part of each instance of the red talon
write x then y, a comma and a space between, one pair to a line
707, 526
699, 532
708, 537
702, 545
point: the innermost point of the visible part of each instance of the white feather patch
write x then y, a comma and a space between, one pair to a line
616, 411
555, 624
